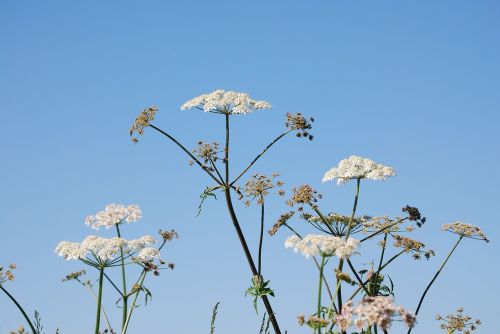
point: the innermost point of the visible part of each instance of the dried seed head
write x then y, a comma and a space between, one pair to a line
300, 124
143, 120
281, 221
465, 230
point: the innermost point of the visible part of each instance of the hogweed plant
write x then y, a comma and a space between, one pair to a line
216, 162
105, 254
370, 308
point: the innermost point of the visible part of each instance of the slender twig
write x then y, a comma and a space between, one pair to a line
374, 291
187, 152
381, 268
20, 309
113, 284
434, 278
221, 179
357, 276
260, 155
89, 289
384, 229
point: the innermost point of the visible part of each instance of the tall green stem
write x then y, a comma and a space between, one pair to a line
341, 262
20, 309
99, 300
132, 307
434, 278
239, 232
124, 283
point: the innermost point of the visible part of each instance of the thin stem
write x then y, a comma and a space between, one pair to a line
187, 152
99, 300
216, 170
384, 229
317, 266
319, 288
20, 309
113, 284
260, 155
239, 232
375, 286
381, 268
315, 208
357, 276
132, 307
434, 278
89, 289
261, 239
124, 282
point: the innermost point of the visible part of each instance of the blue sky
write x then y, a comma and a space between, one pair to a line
411, 84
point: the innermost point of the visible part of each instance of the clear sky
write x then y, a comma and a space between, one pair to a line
411, 84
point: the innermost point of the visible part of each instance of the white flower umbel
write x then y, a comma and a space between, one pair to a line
100, 251
356, 167
226, 102
114, 214
323, 245
147, 254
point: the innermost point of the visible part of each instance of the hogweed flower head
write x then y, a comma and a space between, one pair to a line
280, 222
322, 245
379, 310
258, 187
458, 322
304, 194
300, 124
74, 275
101, 251
7, 274
356, 167
143, 120
207, 152
168, 235
226, 102
413, 246
414, 215
114, 214
465, 230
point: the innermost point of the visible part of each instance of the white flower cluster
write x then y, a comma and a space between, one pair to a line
356, 167
103, 249
114, 214
147, 254
379, 310
226, 101
324, 245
